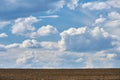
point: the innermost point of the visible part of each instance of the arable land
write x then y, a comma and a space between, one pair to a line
60, 74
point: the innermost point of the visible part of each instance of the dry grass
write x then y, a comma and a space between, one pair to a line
59, 74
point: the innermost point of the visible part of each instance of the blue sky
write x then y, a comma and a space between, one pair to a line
59, 34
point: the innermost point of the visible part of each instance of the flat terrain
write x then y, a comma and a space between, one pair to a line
59, 74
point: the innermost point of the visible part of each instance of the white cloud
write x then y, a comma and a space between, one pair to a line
44, 58
99, 32
30, 44
39, 58
102, 5
23, 26
114, 3
58, 5
4, 23
28, 7
100, 20
79, 60
114, 15
72, 4
2, 48
111, 56
96, 5
47, 30
85, 39
44, 31
24, 58
2, 35
50, 16
14, 45
110, 23
100, 59
49, 45
113, 22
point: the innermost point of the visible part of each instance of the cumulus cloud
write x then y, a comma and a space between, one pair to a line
85, 39
25, 58
100, 20
19, 8
30, 44
33, 44
44, 31
96, 5
102, 5
23, 26
58, 5
110, 23
39, 58
100, 59
50, 45
46, 58
72, 4
3, 35
114, 15
114, 3
54, 59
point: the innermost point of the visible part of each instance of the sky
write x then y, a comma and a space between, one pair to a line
59, 33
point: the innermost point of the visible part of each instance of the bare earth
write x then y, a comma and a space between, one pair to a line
59, 74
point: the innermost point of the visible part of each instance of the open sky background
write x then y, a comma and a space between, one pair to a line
59, 33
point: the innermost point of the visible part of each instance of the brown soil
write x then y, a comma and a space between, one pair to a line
59, 74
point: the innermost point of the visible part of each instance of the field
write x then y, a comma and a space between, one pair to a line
59, 74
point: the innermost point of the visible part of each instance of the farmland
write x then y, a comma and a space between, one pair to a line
59, 74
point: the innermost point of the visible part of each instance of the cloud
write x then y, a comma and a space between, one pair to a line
23, 26
2, 48
56, 59
24, 59
44, 31
3, 35
47, 30
14, 45
72, 4
114, 3
97, 5
100, 59
4, 23
85, 39
110, 22
30, 44
114, 15
39, 58
50, 58
57, 6
50, 16
17, 8
50, 45
33, 44
100, 20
